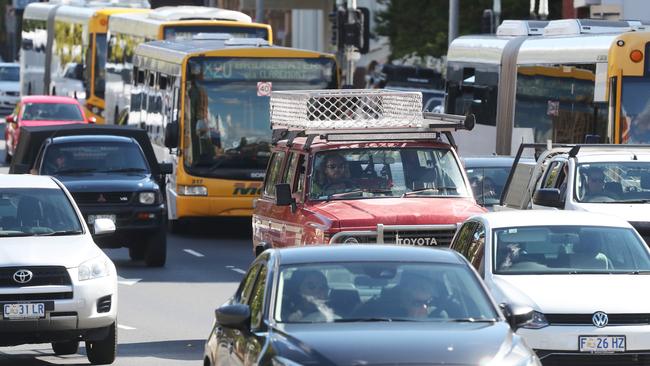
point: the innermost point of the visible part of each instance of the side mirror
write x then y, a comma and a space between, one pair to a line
171, 135
517, 315
166, 168
234, 316
549, 197
103, 226
470, 122
260, 248
283, 196
10, 119
92, 120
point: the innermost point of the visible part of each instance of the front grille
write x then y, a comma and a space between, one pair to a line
422, 238
31, 297
104, 304
94, 198
41, 276
595, 360
585, 319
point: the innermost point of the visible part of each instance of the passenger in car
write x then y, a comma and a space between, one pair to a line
308, 293
587, 254
332, 175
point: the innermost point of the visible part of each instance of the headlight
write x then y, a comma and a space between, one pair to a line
351, 240
538, 321
94, 268
282, 361
192, 190
147, 198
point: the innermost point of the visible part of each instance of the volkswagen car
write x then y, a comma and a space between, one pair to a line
365, 305
584, 275
56, 285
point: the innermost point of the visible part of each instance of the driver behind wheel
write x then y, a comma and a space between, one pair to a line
332, 175
595, 183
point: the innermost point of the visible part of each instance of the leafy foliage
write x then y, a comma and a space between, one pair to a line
420, 27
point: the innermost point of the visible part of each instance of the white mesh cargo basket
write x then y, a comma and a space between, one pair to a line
349, 109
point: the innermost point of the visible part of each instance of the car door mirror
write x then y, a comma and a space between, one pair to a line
166, 168
103, 226
549, 197
171, 135
234, 316
10, 119
517, 315
283, 196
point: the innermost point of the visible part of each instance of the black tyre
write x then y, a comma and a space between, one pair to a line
136, 253
156, 253
103, 352
65, 348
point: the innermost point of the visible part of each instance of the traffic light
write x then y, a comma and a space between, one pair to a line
487, 21
355, 32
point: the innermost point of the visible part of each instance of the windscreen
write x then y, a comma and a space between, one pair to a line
635, 111
568, 250
90, 157
389, 172
9, 73
613, 182
183, 32
227, 114
380, 291
36, 211
487, 183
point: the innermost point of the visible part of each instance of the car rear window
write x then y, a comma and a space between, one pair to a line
52, 112
94, 156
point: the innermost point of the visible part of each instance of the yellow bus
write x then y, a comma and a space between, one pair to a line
205, 104
576, 81
63, 46
127, 31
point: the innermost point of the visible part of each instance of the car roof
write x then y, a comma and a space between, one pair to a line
363, 252
91, 138
48, 99
519, 218
27, 181
490, 161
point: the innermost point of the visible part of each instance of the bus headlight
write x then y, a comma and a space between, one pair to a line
147, 198
192, 190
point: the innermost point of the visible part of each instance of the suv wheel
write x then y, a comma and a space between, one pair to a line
103, 352
137, 252
156, 254
65, 348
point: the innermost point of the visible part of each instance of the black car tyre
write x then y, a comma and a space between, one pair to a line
103, 352
137, 252
65, 348
156, 254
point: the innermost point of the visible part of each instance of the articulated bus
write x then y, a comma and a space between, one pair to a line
205, 104
60, 44
568, 85
127, 31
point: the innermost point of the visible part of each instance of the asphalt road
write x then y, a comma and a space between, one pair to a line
165, 314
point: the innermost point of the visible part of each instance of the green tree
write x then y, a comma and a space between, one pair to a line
420, 27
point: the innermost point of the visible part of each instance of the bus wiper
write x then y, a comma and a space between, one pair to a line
373, 319
436, 190
62, 232
472, 320
125, 170
74, 170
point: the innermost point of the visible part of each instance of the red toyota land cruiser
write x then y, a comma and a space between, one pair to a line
360, 166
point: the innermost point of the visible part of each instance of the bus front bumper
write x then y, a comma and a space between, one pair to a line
210, 206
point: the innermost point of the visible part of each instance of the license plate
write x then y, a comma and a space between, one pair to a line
92, 218
24, 311
602, 343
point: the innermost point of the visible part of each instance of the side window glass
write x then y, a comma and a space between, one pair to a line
552, 174
244, 291
476, 248
300, 170
256, 302
290, 173
273, 173
464, 238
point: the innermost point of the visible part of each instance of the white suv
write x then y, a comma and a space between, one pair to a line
56, 285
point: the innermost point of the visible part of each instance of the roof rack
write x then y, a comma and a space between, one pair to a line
359, 115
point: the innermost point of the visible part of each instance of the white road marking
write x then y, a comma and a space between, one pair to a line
128, 281
238, 270
194, 253
125, 327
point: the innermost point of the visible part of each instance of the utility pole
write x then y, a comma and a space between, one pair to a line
496, 9
453, 19
259, 11
352, 55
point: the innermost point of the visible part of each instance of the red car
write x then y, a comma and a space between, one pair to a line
41, 110
386, 185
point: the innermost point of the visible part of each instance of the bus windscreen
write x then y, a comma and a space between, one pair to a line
227, 110
183, 32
